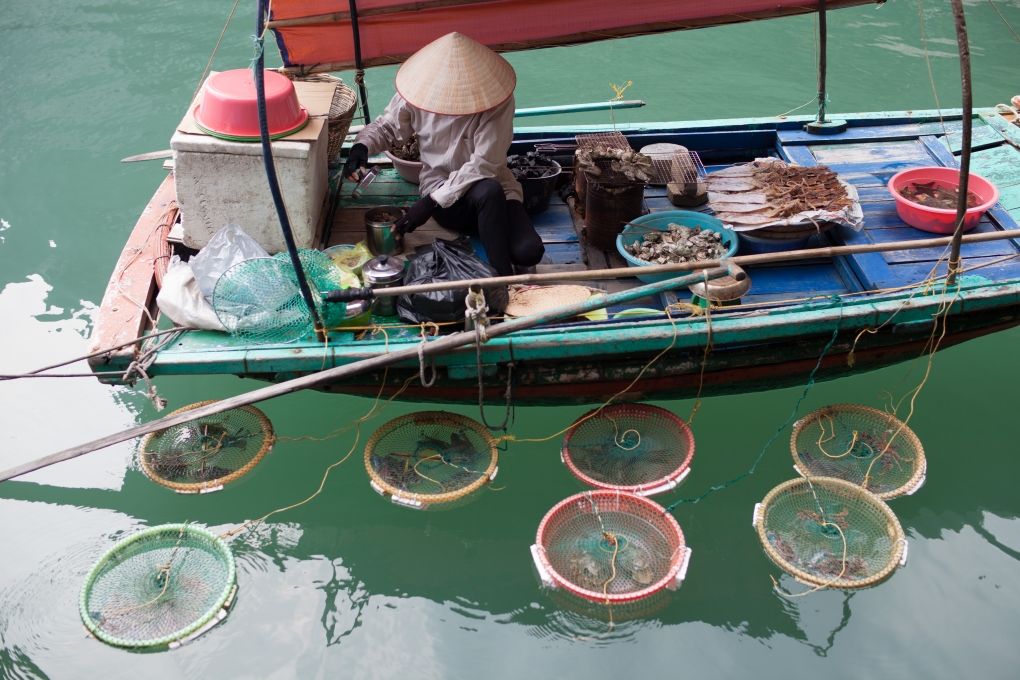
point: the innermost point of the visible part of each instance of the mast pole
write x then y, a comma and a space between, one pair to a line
359, 71
821, 125
967, 124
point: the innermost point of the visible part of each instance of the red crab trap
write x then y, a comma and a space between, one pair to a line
636, 448
610, 547
861, 445
827, 532
430, 458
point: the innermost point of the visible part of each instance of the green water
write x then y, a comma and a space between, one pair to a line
351, 586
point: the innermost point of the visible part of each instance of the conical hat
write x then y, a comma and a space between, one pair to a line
455, 76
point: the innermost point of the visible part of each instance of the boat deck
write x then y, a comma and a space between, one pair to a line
866, 156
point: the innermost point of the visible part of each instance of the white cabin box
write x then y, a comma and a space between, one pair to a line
219, 182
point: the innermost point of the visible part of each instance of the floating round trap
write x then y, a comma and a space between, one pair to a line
430, 457
161, 586
829, 532
610, 547
858, 443
638, 448
202, 455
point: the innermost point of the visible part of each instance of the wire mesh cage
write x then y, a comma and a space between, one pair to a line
430, 457
202, 455
829, 532
609, 140
259, 301
158, 587
638, 448
861, 445
610, 547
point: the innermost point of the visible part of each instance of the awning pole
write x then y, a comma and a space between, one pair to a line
359, 72
966, 123
821, 125
274, 181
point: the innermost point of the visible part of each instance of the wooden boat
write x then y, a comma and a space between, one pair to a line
773, 339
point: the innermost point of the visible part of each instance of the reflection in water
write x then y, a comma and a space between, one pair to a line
346, 597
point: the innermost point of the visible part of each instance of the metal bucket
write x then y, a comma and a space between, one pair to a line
381, 240
607, 211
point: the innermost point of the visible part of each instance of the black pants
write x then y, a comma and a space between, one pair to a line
504, 227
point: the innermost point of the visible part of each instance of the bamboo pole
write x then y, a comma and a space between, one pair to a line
741, 260
965, 144
438, 346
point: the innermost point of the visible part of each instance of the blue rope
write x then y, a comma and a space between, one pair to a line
796, 407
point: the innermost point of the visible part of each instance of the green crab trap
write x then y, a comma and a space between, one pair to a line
200, 456
829, 532
259, 301
162, 586
610, 547
638, 448
431, 457
861, 445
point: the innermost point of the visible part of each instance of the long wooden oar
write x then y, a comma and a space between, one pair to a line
742, 260
437, 346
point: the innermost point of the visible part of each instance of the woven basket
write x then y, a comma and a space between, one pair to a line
341, 113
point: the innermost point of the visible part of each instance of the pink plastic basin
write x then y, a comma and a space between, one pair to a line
229, 107
935, 220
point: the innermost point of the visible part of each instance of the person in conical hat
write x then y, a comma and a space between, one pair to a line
457, 95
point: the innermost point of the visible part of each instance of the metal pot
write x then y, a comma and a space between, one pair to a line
383, 272
381, 240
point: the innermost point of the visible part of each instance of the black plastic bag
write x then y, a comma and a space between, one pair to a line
447, 261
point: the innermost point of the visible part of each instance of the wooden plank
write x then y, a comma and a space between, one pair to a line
801, 155
881, 152
130, 294
796, 280
914, 272
875, 133
554, 225
938, 151
983, 135
1000, 166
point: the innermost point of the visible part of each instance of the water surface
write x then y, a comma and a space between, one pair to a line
351, 586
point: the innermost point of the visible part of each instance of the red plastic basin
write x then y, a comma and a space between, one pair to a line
229, 108
935, 220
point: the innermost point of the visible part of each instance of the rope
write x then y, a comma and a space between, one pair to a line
793, 414
421, 357
218, 41
1004, 20
475, 309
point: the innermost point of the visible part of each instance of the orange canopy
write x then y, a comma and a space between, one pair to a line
315, 35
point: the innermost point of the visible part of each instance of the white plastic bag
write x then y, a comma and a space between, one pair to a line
226, 248
181, 299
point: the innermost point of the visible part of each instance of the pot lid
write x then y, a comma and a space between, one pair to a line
383, 269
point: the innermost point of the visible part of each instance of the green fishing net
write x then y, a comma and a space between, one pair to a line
608, 545
830, 532
204, 454
430, 457
858, 443
157, 586
260, 301
639, 448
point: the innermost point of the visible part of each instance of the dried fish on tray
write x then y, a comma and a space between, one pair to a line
787, 200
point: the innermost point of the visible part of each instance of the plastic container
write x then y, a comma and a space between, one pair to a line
935, 220
229, 108
409, 171
538, 191
754, 245
660, 221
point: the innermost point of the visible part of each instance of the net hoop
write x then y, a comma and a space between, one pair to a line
920, 463
656, 486
426, 418
899, 539
221, 548
585, 498
269, 439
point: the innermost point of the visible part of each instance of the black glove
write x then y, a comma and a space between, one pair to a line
356, 162
417, 215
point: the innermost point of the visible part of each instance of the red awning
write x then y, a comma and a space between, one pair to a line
315, 35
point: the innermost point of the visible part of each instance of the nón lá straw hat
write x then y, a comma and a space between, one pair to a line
455, 76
